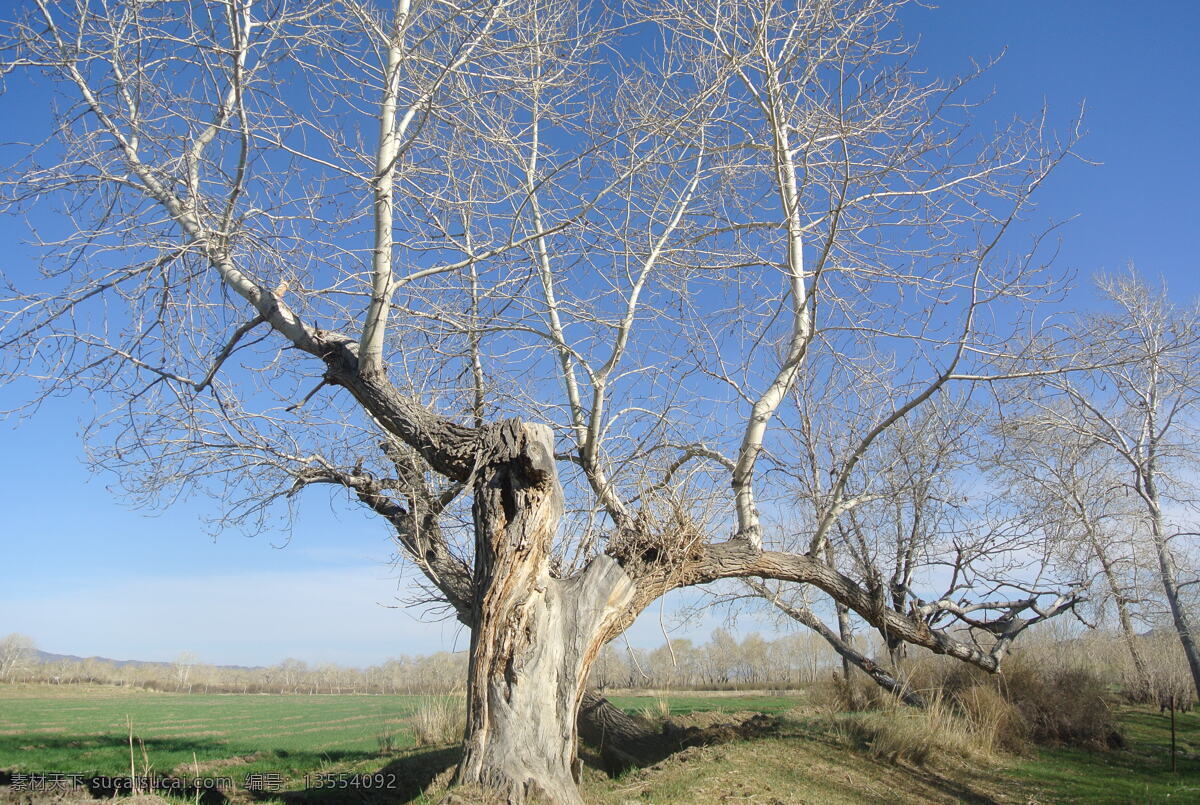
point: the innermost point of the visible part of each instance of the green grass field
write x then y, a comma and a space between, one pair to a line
85, 730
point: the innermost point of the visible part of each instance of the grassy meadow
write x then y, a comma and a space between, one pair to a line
85, 729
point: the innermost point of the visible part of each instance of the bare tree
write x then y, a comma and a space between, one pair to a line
913, 526
183, 665
1066, 485
372, 248
1141, 409
799, 610
16, 652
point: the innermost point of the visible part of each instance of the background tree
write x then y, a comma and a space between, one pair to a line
17, 652
183, 666
532, 292
1066, 485
1140, 408
912, 523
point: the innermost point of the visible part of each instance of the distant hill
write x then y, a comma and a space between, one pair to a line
49, 656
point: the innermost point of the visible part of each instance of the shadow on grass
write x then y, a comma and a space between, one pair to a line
403, 779
57, 776
47, 760
51, 748
816, 732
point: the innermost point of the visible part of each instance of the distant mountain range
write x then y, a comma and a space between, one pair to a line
49, 656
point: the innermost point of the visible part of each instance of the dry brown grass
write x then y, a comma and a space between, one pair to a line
837, 694
658, 710
1036, 698
917, 736
439, 720
995, 722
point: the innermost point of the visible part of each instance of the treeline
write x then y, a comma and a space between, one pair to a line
722, 663
403, 675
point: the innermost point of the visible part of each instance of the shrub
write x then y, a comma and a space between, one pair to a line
1061, 705
995, 721
388, 740
1036, 697
975, 714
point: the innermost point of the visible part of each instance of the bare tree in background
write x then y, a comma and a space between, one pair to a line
183, 665
914, 525
1067, 486
16, 652
1141, 408
532, 290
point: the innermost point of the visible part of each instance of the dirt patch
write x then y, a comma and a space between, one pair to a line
206, 767
9, 796
709, 718
708, 729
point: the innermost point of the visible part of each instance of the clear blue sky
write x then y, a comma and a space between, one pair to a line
81, 574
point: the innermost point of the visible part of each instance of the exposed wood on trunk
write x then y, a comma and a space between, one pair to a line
534, 637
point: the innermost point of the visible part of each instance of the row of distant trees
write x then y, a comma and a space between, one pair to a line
20, 662
724, 662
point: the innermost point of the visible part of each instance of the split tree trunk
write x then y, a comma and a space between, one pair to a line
534, 637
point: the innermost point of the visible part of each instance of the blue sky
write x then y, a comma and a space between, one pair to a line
82, 574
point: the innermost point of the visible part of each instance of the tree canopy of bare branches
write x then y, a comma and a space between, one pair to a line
547, 285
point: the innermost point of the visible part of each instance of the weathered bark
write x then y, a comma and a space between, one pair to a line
449, 448
534, 637
624, 742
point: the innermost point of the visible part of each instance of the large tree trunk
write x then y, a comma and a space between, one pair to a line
626, 741
534, 637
